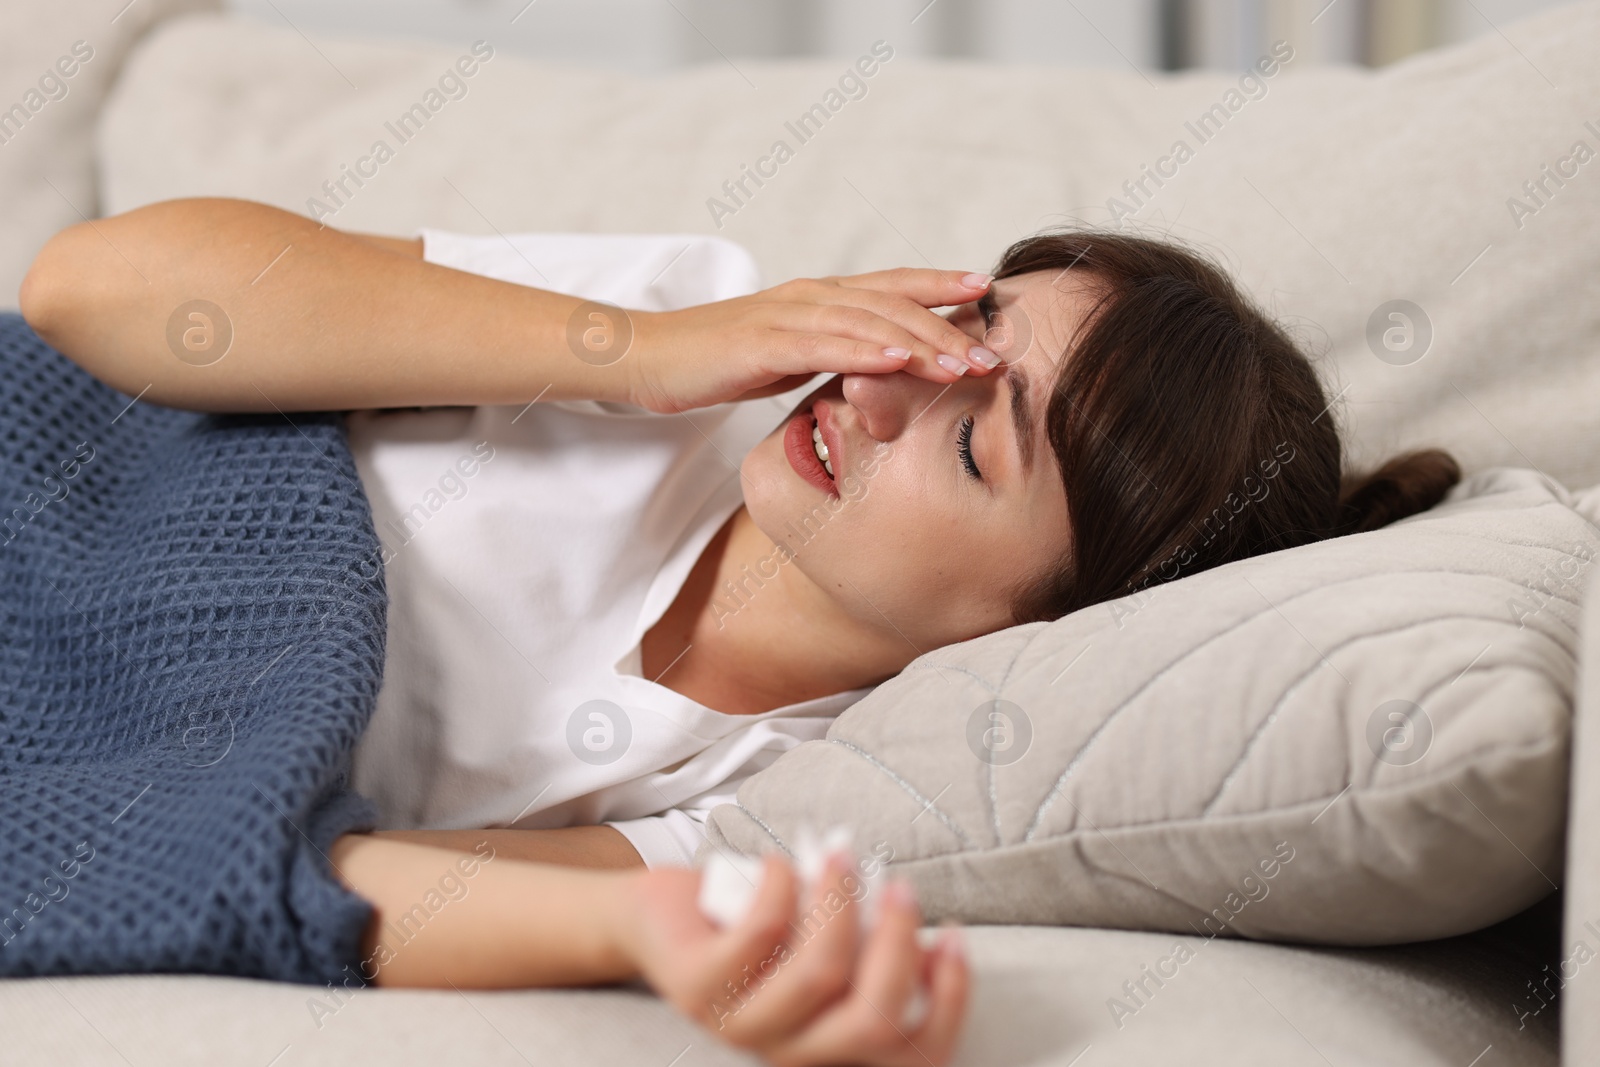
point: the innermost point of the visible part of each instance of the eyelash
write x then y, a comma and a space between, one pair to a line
964, 448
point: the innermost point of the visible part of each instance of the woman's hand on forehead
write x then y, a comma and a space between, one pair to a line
775, 340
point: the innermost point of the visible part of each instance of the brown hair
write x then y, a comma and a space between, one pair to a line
1189, 429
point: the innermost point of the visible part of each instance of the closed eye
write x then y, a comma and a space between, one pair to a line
964, 448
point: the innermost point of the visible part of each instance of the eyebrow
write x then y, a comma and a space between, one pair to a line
988, 306
1021, 414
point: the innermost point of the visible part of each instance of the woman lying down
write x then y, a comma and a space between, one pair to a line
626, 571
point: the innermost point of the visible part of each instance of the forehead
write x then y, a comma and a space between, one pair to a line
1040, 314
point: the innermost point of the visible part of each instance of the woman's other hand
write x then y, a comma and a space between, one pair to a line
774, 340
801, 988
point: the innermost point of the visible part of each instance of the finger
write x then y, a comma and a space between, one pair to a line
814, 970
745, 949
949, 985
928, 287
712, 962
927, 335
892, 960
869, 1024
831, 340
844, 316
789, 354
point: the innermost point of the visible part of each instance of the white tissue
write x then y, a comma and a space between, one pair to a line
729, 882
728, 887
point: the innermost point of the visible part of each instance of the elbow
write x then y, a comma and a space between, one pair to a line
64, 300
46, 289
36, 299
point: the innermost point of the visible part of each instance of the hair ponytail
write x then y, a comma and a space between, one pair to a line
1405, 485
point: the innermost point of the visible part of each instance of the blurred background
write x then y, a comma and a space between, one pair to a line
649, 36
252, 106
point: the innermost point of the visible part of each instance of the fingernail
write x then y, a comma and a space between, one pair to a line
954, 943
898, 893
981, 356
977, 281
951, 364
898, 353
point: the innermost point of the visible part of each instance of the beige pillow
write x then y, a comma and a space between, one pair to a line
1360, 741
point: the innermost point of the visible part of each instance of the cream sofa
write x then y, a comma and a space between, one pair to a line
1329, 192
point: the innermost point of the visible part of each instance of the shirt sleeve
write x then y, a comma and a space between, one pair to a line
645, 272
638, 271
672, 837
666, 840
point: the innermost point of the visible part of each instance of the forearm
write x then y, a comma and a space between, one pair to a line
515, 924
599, 847
320, 319
824, 994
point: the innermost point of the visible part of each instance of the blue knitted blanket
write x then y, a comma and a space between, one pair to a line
192, 622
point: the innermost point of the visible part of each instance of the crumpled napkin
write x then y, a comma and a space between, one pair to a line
729, 882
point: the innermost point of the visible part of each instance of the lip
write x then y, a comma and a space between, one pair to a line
802, 457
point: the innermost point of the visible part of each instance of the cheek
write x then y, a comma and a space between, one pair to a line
886, 538
852, 535
901, 546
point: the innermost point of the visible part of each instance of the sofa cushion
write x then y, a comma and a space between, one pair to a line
1330, 191
60, 61
1359, 741
1040, 997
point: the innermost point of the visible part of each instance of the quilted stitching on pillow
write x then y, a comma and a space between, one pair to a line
1167, 750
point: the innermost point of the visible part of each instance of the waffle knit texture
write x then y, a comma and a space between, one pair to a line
192, 623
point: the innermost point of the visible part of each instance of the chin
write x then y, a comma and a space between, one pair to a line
762, 478
781, 505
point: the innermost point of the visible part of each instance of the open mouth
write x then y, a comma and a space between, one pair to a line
806, 446
821, 449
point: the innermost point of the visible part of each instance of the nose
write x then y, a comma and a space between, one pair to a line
887, 403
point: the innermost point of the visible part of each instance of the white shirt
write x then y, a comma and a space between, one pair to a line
527, 549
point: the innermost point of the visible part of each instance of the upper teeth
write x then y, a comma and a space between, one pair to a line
821, 449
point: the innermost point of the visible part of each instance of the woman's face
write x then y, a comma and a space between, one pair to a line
943, 498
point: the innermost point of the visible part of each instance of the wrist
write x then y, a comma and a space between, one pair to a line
630, 377
638, 378
602, 350
619, 902
568, 348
